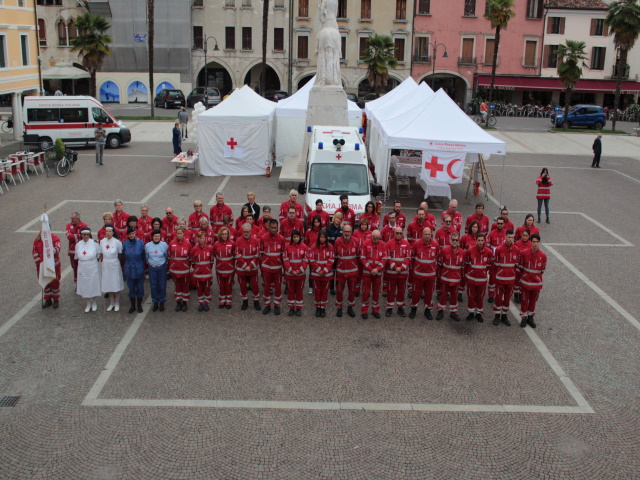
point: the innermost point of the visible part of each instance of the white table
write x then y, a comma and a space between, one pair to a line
412, 167
434, 189
185, 163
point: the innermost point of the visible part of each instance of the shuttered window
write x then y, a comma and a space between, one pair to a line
555, 25
489, 49
424, 7
365, 8
598, 28
530, 53
230, 38
278, 39
467, 50
401, 9
550, 58
597, 58
303, 47
303, 8
398, 50
246, 38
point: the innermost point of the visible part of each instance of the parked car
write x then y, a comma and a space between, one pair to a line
169, 98
368, 97
275, 95
197, 95
590, 116
354, 98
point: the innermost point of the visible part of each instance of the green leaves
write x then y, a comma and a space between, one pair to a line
379, 58
499, 12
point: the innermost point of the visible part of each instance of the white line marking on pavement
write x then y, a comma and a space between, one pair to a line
499, 165
630, 318
37, 219
24, 310
157, 189
615, 235
219, 190
624, 175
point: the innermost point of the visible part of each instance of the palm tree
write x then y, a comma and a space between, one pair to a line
150, 39
623, 19
92, 44
263, 72
571, 58
379, 58
499, 13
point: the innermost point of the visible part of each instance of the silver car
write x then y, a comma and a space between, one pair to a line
198, 95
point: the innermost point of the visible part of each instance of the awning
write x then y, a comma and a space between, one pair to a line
551, 84
64, 71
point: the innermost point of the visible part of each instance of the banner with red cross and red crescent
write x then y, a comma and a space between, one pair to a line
442, 166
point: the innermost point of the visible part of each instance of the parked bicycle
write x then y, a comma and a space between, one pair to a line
7, 125
480, 120
63, 166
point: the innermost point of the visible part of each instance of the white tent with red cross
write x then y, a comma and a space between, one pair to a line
236, 136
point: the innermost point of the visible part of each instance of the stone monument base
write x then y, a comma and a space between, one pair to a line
328, 106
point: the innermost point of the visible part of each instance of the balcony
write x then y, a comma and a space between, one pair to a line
487, 61
614, 72
99, 7
421, 58
467, 60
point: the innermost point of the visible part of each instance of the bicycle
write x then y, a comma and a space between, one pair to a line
7, 125
63, 166
480, 120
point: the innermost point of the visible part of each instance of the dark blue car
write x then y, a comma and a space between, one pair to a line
590, 116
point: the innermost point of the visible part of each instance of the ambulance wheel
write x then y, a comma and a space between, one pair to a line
45, 143
113, 141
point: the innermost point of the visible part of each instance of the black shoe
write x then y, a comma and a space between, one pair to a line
455, 317
427, 313
333, 291
132, 308
298, 313
505, 320
256, 305
388, 312
178, 305
317, 311
460, 297
365, 316
516, 298
339, 312
162, 306
276, 310
221, 306
228, 306
523, 323
496, 319
530, 321
412, 313
155, 307
106, 295
490, 299
245, 305
47, 304
139, 305
548, 221
357, 294
206, 307
376, 314
440, 315
350, 312
292, 312
200, 307
538, 219
56, 304
323, 312
401, 312
184, 306
266, 310
480, 318
470, 317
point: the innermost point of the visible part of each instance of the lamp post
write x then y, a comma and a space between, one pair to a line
435, 54
206, 72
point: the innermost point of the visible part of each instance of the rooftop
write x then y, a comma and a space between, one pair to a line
578, 4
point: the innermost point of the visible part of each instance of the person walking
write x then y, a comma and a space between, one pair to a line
177, 139
544, 192
134, 266
112, 281
183, 119
597, 150
88, 254
101, 140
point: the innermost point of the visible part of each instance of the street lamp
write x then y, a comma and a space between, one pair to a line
206, 72
435, 54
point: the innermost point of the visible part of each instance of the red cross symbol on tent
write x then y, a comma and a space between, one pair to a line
434, 167
232, 143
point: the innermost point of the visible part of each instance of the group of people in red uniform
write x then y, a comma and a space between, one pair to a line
362, 255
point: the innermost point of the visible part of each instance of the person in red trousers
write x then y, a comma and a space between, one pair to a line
397, 271
373, 258
202, 261
52, 290
505, 260
247, 263
321, 259
271, 250
424, 254
478, 261
296, 260
532, 264
347, 250
224, 251
450, 265
179, 266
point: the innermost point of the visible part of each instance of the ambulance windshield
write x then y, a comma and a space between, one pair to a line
335, 179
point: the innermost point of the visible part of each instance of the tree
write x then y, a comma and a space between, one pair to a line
571, 59
379, 58
263, 72
150, 39
92, 44
623, 19
499, 13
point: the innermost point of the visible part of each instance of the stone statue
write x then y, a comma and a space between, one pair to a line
328, 45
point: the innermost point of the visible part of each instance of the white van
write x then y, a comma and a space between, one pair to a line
337, 163
72, 119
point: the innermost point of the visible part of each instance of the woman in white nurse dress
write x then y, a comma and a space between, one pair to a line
112, 281
88, 254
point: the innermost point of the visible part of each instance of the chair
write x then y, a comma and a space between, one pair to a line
34, 160
5, 171
403, 186
17, 166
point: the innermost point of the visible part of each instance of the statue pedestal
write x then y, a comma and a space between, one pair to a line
327, 106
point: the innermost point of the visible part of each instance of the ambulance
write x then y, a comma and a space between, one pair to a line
337, 163
72, 119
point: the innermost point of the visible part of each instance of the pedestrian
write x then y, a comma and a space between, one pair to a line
224, 251
218, 211
348, 215
242, 219
170, 224
156, 253
120, 219
179, 267
321, 260
532, 264
202, 261
183, 119
72, 231
156, 224
52, 290
597, 150
101, 140
296, 260
544, 192
107, 219
177, 139
325, 219
112, 282
134, 266
88, 255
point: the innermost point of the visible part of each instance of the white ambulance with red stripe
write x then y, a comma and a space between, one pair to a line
72, 119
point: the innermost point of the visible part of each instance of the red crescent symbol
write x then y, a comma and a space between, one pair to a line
450, 166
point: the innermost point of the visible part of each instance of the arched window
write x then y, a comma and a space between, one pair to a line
42, 32
62, 34
73, 31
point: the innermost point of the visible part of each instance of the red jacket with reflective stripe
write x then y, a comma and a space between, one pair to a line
73, 235
271, 250
296, 261
284, 210
478, 265
247, 254
443, 236
374, 220
532, 265
194, 221
321, 259
120, 223
348, 218
325, 219
450, 265
401, 220
179, 258
399, 255
415, 228
544, 189
225, 254
286, 227
361, 236
505, 261
425, 259
456, 217
38, 246
347, 257
483, 221
216, 214
373, 256
202, 262
144, 224
170, 226
496, 238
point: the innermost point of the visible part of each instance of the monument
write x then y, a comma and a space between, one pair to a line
327, 99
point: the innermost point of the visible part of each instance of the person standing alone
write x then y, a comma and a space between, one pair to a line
597, 150
183, 118
177, 139
101, 140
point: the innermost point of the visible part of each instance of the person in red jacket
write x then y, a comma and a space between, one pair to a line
224, 251
456, 216
532, 264
169, 224
346, 253
189, 236
397, 271
387, 231
522, 244
443, 235
292, 202
120, 218
430, 219
372, 217
194, 217
52, 290
227, 221
424, 255
264, 222
495, 238
156, 224
144, 221
209, 236
478, 262
348, 215
321, 259
179, 267
479, 217
401, 218
132, 221
450, 266
373, 258
247, 263
72, 231
271, 250
544, 192
467, 241
289, 224
107, 219
361, 235
528, 224
242, 219
505, 260
414, 230
202, 260
311, 235
296, 261
217, 213
255, 231
508, 224
325, 219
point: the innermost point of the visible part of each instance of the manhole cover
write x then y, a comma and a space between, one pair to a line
9, 401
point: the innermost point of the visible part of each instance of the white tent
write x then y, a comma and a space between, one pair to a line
236, 136
291, 114
408, 86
